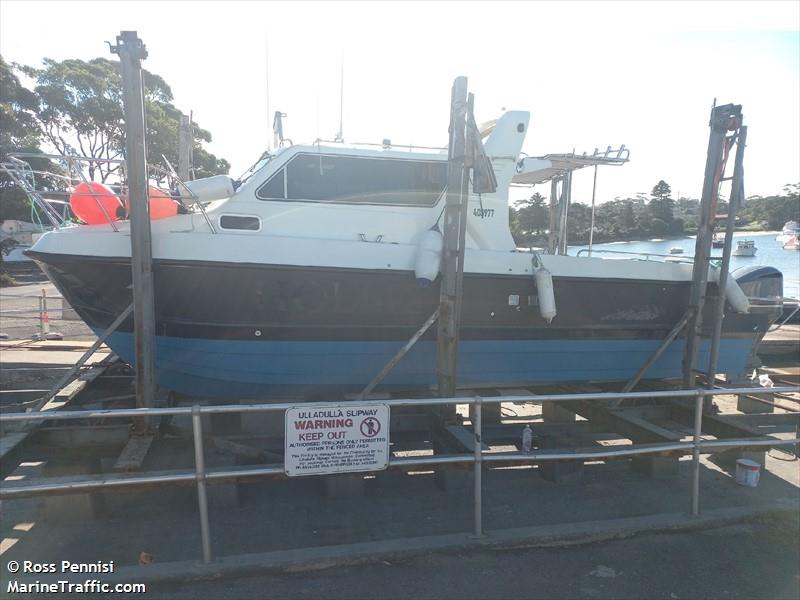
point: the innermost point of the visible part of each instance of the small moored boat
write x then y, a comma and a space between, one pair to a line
745, 248
790, 229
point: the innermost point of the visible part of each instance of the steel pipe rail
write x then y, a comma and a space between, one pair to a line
8, 492
282, 406
636, 450
92, 485
201, 477
32, 296
220, 476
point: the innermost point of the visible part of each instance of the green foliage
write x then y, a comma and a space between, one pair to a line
637, 218
677, 227
530, 220
18, 106
661, 205
20, 131
579, 221
5, 247
81, 111
773, 212
658, 227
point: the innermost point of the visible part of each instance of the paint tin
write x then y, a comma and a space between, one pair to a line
748, 472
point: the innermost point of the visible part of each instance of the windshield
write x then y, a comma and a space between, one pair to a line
259, 164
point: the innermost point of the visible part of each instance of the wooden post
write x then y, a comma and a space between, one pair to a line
736, 199
463, 214
719, 124
131, 52
184, 147
454, 232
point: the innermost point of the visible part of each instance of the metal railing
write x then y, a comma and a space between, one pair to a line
43, 313
201, 476
70, 172
784, 320
643, 255
385, 144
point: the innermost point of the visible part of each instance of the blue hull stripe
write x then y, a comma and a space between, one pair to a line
235, 369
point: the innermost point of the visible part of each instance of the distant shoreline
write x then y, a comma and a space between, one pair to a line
662, 239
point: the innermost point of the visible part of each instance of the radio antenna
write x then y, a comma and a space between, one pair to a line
269, 115
339, 136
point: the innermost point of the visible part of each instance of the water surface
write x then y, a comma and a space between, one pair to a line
769, 252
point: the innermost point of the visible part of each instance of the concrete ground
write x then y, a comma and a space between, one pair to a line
750, 560
290, 514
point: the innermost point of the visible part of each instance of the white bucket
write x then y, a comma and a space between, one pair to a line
747, 472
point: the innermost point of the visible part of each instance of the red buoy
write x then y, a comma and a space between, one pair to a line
88, 201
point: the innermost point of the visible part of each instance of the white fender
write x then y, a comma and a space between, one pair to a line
733, 292
211, 188
429, 256
545, 292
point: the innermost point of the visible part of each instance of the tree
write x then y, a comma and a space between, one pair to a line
81, 112
661, 205
533, 214
628, 216
658, 227
19, 132
80, 109
579, 221
676, 227
661, 190
540, 213
530, 219
773, 211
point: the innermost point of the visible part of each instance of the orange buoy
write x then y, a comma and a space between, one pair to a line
88, 201
161, 204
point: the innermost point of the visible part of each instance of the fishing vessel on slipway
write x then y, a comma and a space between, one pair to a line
307, 273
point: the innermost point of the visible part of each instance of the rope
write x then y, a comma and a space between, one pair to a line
792, 454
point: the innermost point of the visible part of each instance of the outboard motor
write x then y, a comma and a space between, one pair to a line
763, 287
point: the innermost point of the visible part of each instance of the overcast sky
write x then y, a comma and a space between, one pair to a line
643, 74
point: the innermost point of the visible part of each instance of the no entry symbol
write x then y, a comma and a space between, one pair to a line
370, 427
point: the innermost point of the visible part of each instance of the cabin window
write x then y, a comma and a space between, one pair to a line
240, 222
361, 180
274, 189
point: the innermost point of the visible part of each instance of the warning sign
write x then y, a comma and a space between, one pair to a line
345, 439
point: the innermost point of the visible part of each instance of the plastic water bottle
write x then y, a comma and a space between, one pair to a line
527, 438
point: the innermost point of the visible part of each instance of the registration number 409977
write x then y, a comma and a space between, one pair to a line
483, 213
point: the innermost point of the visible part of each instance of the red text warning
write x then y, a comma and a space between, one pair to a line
345, 439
